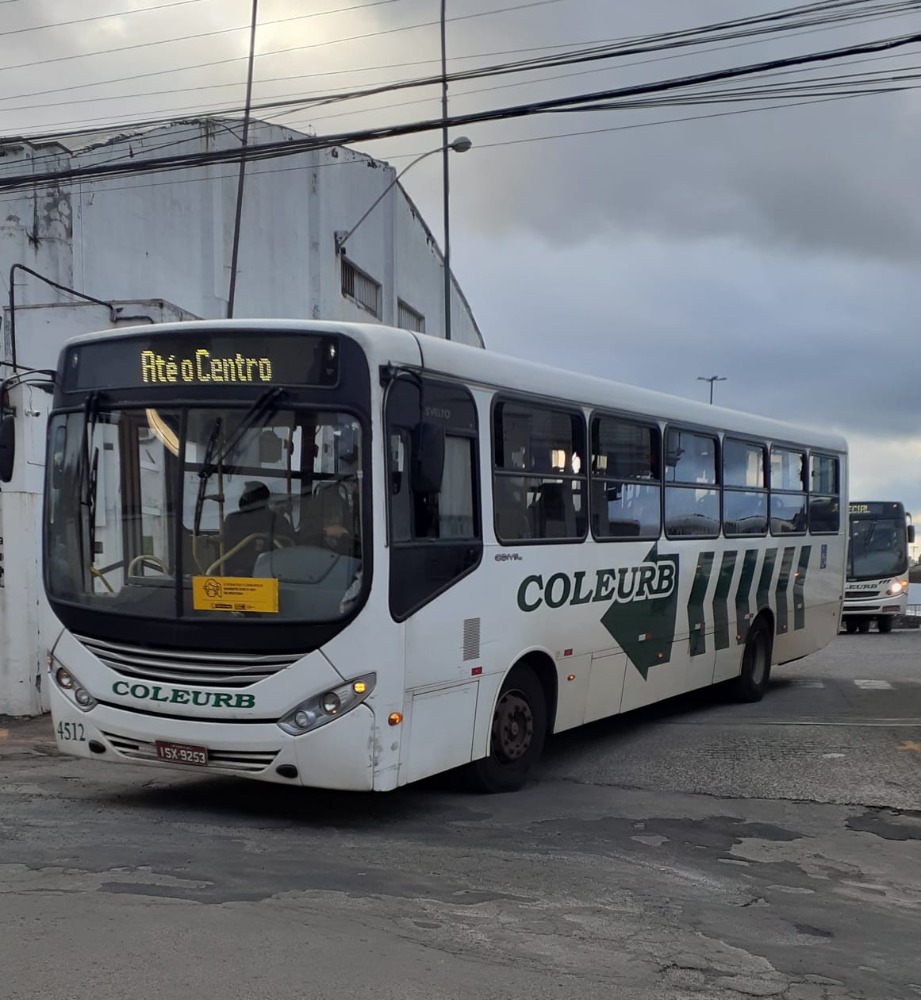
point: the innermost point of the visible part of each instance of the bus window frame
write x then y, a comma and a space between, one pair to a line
716, 486
763, 490
803, 451
836, 459
593, 476
500, 399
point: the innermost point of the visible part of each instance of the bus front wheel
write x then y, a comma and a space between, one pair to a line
884, 623
752, 682
519, 727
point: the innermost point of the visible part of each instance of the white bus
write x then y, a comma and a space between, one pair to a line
877, 564
350, 557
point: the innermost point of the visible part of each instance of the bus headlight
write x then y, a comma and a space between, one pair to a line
72, 689
896, 587
323, 708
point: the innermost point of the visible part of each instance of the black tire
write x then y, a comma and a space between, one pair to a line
884, 623
850, 626
519, 728
753, 681
863, 626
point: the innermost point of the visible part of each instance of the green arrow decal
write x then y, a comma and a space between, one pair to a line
720, 600
799, 585
744, 593
780, 591
697, 640
764, 581
641, 618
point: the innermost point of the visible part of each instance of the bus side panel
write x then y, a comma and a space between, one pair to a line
441, 724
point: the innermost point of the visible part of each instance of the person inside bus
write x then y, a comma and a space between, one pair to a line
252, 529
329, 522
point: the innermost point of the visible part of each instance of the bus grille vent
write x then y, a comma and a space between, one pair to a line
223, 760
173, 667
471, 639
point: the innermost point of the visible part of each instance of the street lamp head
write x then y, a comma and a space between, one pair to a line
711, 379
460, 145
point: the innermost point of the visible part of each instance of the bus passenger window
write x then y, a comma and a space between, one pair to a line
788, 492
538, 473
692, 499
626, 479
745, 500
824, 494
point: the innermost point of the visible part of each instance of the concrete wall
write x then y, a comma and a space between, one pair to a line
170, 235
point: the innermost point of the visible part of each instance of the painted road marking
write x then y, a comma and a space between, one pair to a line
874, 685
911, 745
4, 733
807, 682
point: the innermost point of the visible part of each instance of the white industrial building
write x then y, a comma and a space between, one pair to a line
79, 254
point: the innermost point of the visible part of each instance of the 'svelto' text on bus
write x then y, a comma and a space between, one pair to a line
202, 366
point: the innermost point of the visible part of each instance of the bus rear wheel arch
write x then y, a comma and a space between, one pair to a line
755, 675
519, 727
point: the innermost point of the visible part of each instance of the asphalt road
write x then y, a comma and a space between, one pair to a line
693, 850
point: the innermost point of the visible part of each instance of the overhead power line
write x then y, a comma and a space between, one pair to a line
818, 15
635, 95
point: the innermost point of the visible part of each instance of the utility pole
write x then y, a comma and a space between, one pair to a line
444, 170
239, 211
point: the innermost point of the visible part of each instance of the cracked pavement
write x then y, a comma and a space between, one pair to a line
694, 850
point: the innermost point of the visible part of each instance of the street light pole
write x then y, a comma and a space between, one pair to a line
711, 379
444, 171
460, 145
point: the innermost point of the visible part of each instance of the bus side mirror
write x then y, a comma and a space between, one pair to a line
911, 534
7, 447
428, 458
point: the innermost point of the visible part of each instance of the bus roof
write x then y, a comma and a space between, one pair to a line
487, 368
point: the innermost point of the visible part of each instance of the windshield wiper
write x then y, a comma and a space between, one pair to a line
89, 475
264, 405
205, 473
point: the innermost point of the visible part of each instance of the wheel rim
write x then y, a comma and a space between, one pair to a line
512, 727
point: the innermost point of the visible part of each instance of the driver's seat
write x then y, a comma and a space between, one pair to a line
255, 517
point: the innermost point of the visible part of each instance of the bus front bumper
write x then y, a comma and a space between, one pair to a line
337, 755
871, 608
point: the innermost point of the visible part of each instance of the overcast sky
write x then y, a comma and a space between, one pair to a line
778, 248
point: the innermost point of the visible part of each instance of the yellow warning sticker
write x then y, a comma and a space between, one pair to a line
235, 593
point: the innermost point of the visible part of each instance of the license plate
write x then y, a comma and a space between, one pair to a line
181, 753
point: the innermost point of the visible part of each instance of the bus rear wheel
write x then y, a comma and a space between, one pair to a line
519, 727
863, 625
850, 626
752, 682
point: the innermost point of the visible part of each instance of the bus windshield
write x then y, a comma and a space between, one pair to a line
200, 512
878, 547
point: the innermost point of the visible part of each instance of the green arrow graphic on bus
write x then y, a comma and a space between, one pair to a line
641, 617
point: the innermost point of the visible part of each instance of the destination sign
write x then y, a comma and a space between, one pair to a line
203, 367
875, 509
202, 358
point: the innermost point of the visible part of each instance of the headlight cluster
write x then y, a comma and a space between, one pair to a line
72, 689
896, 587
323, 708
